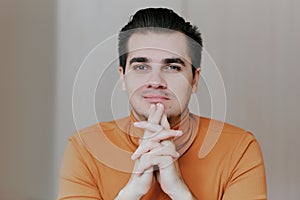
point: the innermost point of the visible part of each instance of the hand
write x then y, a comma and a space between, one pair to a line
157, 149
142, 176
138, 185
171, 182
157, 129
155, 134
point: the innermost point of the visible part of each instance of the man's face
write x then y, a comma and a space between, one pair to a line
158, 70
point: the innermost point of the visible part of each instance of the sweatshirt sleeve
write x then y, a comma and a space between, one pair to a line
76, 178
247, 178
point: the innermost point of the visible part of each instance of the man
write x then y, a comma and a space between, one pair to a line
155, 153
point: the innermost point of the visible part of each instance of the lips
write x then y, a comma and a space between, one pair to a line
155, 98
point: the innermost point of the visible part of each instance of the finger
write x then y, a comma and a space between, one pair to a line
147, 145
156, 117
169, 148
150, 129
149, 161
147, 125
140, 168
165, 134
151, 111
165, 122
144, 148
157, 131
164, 150
167, 142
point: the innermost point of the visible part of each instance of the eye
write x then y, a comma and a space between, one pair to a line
172, 68
140, 67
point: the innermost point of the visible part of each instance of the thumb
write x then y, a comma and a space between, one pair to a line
164, 122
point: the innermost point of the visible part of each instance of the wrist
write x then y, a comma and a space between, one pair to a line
186, 195
129, 192
181, 193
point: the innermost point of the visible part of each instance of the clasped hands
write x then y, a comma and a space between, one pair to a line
156, 150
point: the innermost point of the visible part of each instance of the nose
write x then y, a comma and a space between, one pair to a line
156, 81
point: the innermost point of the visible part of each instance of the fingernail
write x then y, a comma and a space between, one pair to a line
137, 124
179, 133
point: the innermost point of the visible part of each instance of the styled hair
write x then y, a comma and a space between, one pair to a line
160, 20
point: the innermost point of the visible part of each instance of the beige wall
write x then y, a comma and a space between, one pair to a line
27, 79
254, 44
256, 47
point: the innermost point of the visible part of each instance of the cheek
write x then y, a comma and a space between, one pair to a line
183, 94
133, 83
180, 85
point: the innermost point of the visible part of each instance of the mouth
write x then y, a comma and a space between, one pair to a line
155, 98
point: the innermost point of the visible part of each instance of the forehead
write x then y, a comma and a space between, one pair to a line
157, 46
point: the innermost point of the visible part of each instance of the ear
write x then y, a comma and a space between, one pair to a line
122, 78
196, 80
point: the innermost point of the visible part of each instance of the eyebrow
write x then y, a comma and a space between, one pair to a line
165, 61
173, 60
139, 60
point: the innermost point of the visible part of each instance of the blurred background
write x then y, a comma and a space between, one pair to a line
255, 45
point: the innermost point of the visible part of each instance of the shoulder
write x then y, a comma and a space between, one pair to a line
98, 132
103, 127
226, 130
222, 136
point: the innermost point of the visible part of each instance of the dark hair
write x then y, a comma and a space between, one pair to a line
160, 20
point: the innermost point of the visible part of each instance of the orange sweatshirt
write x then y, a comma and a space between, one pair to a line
218, 161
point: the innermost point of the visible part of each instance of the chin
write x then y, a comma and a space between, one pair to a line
141, 115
